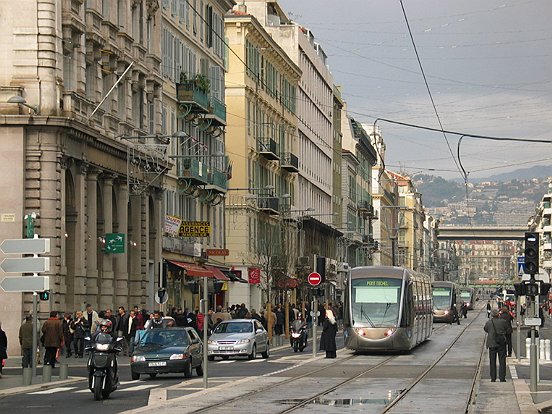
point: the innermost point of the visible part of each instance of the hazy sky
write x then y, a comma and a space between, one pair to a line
488, 64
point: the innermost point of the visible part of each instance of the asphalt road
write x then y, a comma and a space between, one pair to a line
76, 398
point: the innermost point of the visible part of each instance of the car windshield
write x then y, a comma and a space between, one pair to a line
234, 327
157, 338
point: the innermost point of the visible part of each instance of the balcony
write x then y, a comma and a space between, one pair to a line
289, 162
269, 205
268, 148
364, 206
191, 95
217, 181
193, 170
217, 113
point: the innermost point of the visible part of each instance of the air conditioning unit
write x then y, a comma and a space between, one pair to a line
343, 267
197, 250
303, 261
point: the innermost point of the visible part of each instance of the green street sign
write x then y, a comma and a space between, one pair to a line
115, 243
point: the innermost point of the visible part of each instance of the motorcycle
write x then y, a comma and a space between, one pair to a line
298, 338
103, 376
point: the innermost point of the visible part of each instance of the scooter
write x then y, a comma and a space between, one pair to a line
298, 338
103, 376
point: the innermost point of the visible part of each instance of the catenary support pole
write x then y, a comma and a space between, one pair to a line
314, 324
518, 329
205, 311
35, 331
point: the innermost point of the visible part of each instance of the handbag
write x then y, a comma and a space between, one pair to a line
499, 339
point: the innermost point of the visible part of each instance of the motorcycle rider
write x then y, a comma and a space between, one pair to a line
300, 325
103, 335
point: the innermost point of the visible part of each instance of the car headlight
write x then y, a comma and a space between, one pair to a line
243, 341
211, 342
138, 359
102, 347
178, 356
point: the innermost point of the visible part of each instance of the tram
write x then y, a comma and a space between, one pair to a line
386, 309
445, 298
467, 295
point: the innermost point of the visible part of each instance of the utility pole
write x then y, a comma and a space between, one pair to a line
30, 234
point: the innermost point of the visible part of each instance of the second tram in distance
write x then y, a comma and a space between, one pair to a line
386, 309
445, 299
467, 295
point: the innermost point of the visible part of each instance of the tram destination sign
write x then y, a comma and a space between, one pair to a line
195, 229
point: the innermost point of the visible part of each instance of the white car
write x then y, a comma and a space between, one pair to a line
236, 337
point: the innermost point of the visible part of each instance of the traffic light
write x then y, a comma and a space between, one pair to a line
44, 295
544, 288
532, 253
519, 288
321, 268
532, 289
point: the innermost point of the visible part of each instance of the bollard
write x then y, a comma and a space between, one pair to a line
541, 349
527, 347
547, 349
46, 373
63, 371
27, 376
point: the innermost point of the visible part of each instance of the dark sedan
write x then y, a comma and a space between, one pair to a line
164, 351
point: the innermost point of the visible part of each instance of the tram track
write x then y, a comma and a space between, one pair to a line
313, 398
425, 373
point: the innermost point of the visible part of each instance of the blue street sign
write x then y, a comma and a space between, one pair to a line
521, 265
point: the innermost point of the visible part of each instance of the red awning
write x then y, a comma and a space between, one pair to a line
193, 269
218, 273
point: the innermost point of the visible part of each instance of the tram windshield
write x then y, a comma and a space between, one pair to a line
376, 302
441, 297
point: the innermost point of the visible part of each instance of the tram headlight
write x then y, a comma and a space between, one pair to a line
389, 332
361, 331
446, 312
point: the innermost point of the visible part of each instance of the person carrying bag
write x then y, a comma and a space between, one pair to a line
497, 329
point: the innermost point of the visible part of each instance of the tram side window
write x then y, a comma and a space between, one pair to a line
406, 320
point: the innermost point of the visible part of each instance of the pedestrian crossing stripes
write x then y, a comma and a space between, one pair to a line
52, 390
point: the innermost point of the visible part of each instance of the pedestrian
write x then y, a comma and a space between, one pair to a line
489, 307
3, 348
155, 321
26, 342
541, 316
497, 329
464, 310
507, 316
110, 317
280, 320
53, 338
329, 330
81, 330
92, 318
455, 316
68, 334
130, 327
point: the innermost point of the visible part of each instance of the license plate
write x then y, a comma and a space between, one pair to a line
157, 364
226, 348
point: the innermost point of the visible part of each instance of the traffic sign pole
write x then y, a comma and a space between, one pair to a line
314, 323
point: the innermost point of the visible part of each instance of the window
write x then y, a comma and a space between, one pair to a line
151, 117
121, 15
90, 80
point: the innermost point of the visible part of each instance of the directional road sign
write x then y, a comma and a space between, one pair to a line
314, 278
25, 246
25, 264
25, 283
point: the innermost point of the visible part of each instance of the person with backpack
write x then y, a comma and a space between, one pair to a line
497, 329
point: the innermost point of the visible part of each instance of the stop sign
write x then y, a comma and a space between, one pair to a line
314, 278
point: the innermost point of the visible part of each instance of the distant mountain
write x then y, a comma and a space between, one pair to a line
537, 171
438, 192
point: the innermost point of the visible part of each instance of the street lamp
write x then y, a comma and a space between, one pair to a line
18, 99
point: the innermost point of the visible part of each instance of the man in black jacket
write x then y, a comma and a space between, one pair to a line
497, 329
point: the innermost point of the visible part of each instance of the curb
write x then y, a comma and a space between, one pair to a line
43, 386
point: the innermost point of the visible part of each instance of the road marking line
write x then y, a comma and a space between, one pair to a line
255, 360
81, 391
226, 362
140, 387
52, 390
157, 395
129, 382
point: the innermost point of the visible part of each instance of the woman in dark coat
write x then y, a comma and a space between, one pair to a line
3, 348
329, 330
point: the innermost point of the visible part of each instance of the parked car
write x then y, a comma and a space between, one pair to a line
238, 337
169, 350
